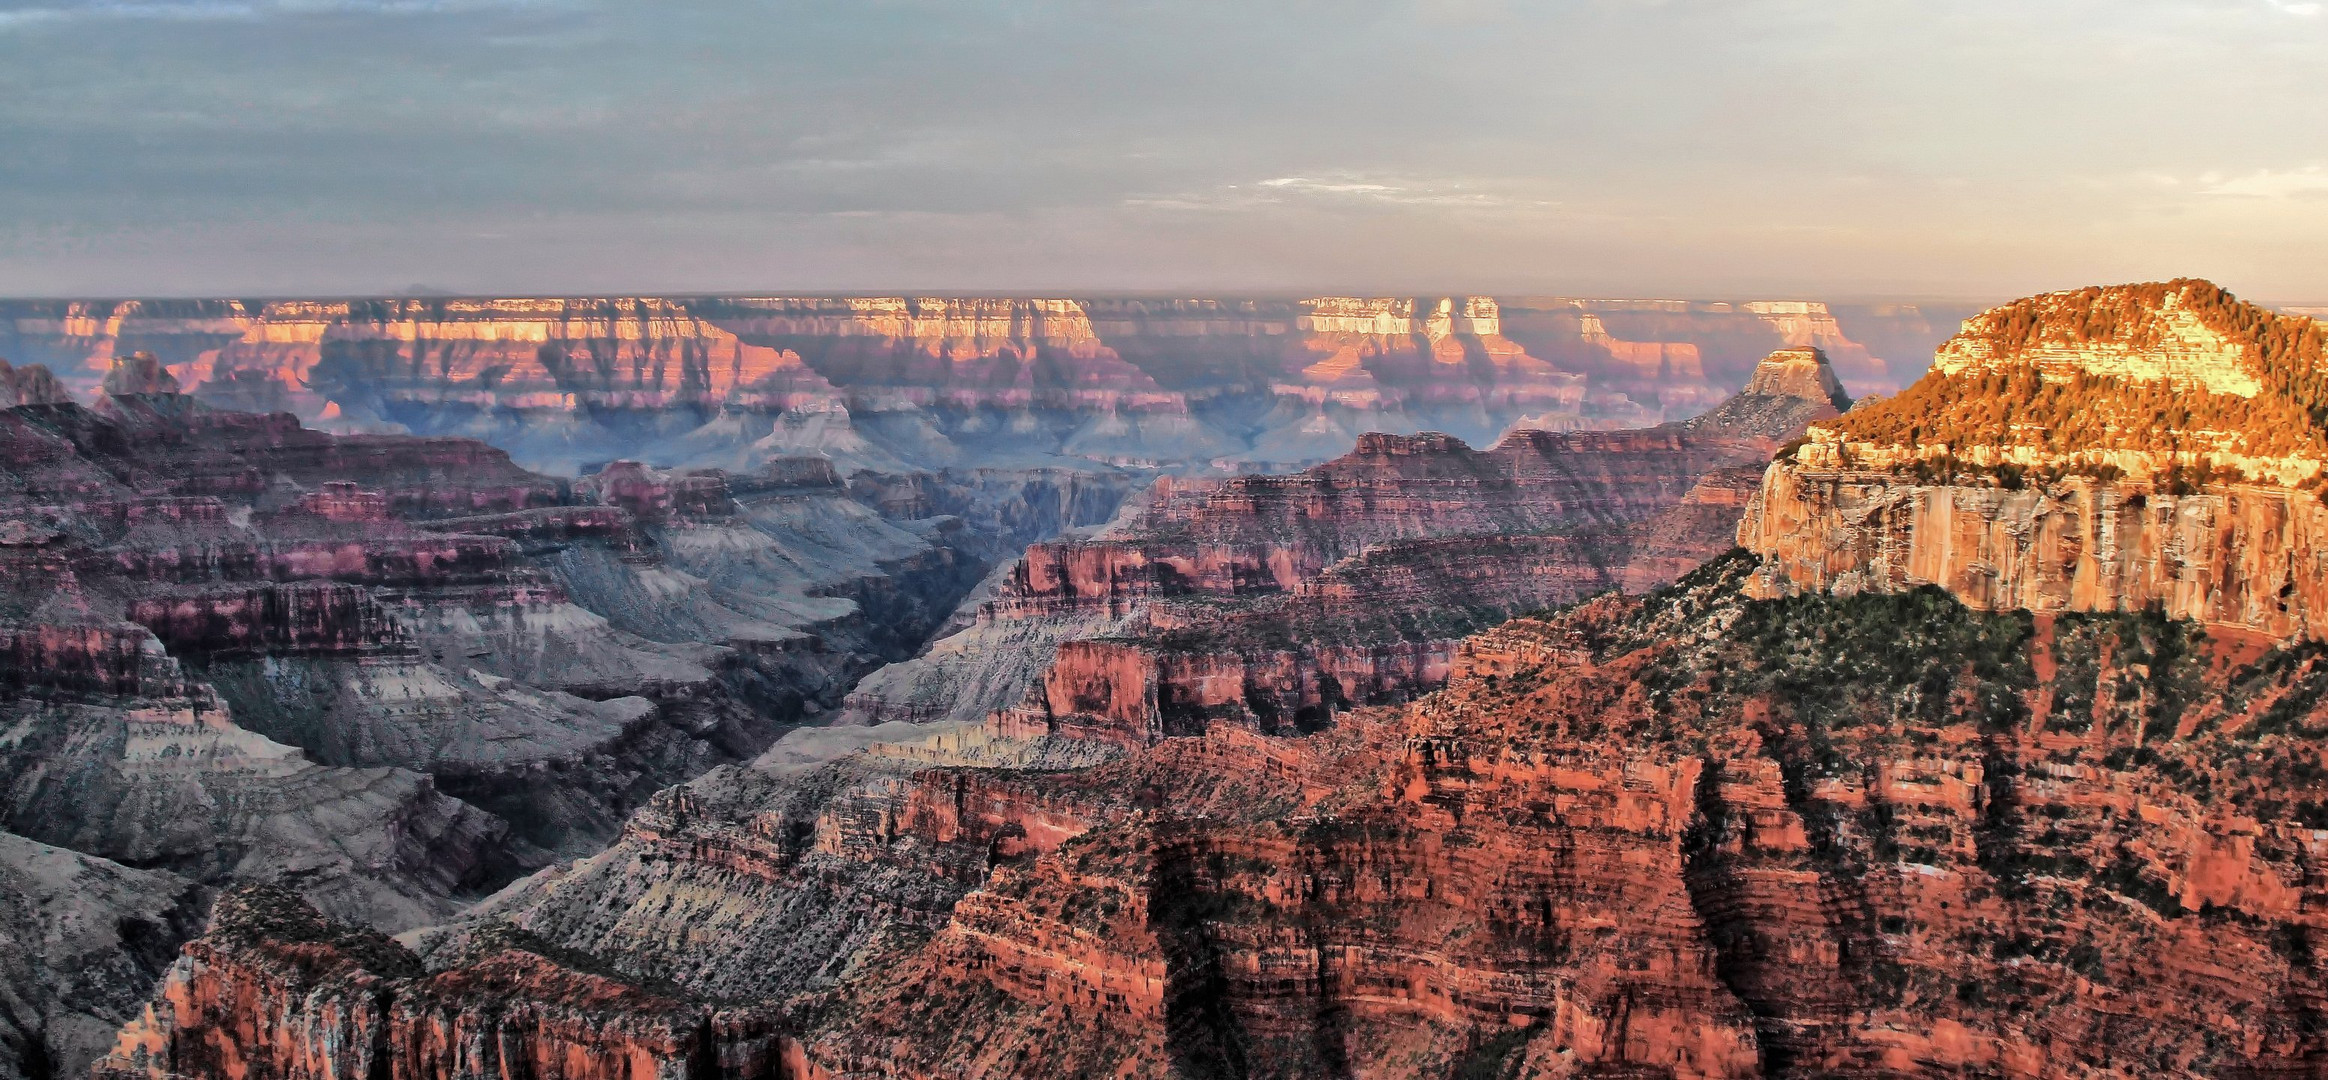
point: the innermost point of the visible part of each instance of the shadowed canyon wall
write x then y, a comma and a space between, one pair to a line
391, 673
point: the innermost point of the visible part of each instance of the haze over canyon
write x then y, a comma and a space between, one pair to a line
900, 383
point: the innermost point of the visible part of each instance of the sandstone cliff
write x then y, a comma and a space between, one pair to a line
276, 990
2098, 450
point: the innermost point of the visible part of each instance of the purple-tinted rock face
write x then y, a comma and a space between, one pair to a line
392, 672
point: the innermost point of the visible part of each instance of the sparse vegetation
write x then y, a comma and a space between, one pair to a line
2015, 405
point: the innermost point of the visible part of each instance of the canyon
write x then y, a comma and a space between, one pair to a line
390, 673
1973, 730
1229, 605
1275, 601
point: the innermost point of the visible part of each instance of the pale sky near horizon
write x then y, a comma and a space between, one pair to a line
1837, 148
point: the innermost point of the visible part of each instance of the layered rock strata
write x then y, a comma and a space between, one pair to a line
273, 989
901, 383
392, 673
1276, 601
2099, 450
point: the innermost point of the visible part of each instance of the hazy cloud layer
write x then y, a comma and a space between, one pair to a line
1605, 146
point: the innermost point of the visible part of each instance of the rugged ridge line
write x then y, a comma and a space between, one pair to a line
899, 383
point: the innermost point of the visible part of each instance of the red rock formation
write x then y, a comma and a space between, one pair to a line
275, 990
1682, 837
1267, 533
2039, 466
1277, 601
1133, 692
303, 617
516, 1013
31, 384
2236, 557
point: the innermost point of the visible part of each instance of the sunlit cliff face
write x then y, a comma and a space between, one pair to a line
2097, 450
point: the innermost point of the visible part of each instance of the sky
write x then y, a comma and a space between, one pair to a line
1832, 148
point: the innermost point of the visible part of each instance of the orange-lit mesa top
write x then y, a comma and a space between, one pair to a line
2133, 378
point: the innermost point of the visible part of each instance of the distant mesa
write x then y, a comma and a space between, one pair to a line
927, 382
138, 374
32, 384
1789, 389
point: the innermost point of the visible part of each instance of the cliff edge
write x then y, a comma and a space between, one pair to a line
2104, 449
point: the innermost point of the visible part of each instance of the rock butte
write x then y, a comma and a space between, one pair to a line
2167, 453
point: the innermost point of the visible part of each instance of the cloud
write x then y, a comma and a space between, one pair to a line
220, 10
2311, 181
200, 146
2302, 8
1347, 190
